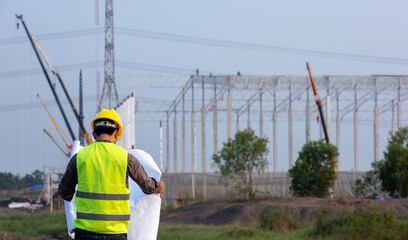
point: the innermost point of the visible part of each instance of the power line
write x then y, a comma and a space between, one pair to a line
120, 64
31, 105
36, 71
217, 43
259, 47
49, 36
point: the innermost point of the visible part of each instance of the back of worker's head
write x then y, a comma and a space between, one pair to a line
107, 119
105, 126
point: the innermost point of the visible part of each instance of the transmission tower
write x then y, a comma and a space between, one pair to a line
109, 92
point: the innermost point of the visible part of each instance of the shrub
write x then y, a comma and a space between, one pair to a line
314, 171
370, 185
323, 223
367, 223
279, 219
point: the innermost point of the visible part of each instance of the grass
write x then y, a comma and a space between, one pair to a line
368, 223
364, 224
201, 232
35, 226
52, 226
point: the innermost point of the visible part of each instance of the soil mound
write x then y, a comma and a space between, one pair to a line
246, 213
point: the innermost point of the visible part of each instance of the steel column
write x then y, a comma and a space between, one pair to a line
290, 138
229, 117
376, 144
307, 116
183, 137
275, 136
249, 115
175, 141
338, 132
260, 117
161, 146
183, 142
355, 132
393, 118
290, 127
215, 125
167, 145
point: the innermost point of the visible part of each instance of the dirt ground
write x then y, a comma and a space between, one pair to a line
247, 213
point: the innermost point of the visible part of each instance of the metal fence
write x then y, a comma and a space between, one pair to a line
181, 186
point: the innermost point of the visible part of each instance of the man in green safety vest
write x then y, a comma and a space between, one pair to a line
101, 171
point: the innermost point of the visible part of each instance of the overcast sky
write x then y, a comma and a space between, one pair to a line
337, 37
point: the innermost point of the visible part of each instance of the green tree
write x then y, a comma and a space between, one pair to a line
9, 181
240, 157
314, 173
36, 177
393, 169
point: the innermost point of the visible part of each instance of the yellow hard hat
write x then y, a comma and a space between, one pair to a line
111, 115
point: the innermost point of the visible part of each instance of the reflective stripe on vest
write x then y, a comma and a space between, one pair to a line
102, 198
103, 217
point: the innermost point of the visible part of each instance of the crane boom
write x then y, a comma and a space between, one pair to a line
48, 78
69, 146
56, 73
319, 105
56, 143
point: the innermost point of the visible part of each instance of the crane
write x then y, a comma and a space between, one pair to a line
48, 78
56, 73
56, 143
69, 146
319, 106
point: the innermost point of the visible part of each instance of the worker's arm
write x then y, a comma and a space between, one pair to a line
137, 172
66, 188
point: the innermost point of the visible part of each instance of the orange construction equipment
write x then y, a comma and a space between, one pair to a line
36, 46
48, 78
319, 105
56, 73
69, 145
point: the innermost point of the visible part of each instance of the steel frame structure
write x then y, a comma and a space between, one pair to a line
370, 99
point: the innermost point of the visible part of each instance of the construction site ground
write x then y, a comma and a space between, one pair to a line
248, 213
226, 212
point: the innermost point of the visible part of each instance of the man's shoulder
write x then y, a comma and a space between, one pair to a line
119, 148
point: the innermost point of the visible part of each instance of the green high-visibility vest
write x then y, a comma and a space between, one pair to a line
102, 199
